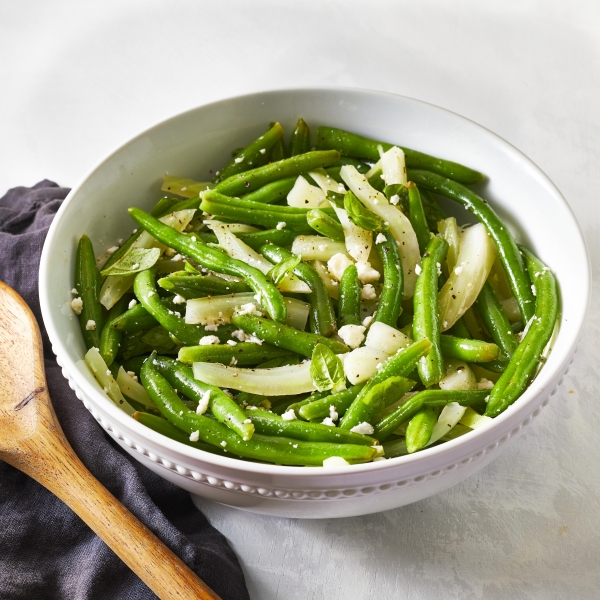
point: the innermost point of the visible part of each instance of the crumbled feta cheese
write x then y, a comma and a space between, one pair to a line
195, 436
77, 305
90, 325
247, 422
132, 375
207, 340
150, 294
211, 327
439, 269
485, 384
368, 292
179, 299
233, 361
366, 273
352, 335
280, 225
177, 258
239, 159
364, 428
328, 421
337, 264
290, 415
203, 404
262, 150
533, 290
252, 339
367, 321
223, 443
247, 309
335, 461
108, 372
132, 304
294, 445
333, 415
231, 342
418, 269
74, 291
458, 270
112, 249
240, 335
380, 238
193, 238
135, 266
395, 199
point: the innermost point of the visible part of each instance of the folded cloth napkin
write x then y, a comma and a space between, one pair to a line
46, 551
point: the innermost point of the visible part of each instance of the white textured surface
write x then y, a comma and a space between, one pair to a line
78, 78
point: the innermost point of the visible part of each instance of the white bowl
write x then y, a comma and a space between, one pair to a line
193, 143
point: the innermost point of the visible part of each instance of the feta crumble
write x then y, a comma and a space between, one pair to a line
366, 273
368, 292
74, 291
239, 159
203, 404
337, 264
380, 238
367, 321
485, 384
280, 225
179, 299
211, 327
290, 415
77, 305
132, 304
90, 325
207, 340
418, 269
364, 428
333, 415
395, 199
231, 343
352, 335
328, 421
223, 443
247, 309
195, 436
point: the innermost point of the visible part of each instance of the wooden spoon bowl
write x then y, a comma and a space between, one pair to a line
32, 440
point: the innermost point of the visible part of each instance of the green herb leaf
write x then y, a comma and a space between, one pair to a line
397, 189
360, 215
335, 198
327, 370
279, 271
134, 261
381, 395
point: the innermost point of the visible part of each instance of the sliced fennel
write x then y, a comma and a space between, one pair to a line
393, 166
279, 381
132, 389
458, 376
476, 256
331, 285
361, 363
399, 224
217, 310
473, 419
384, 338
449, 231
325, 182
451, 414
104, 377
304, 195
188, 188
316, 247
241, 251
358, 241
115, 286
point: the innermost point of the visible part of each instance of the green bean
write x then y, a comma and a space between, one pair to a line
459, 329
507, 248
110, 338
320, 408
279, 237
242, 183
242, 354
133, 320
164, 427
251, 154
426, 323
416, 215
349, 299
255, 213
468, 350
495, 320
144, 288
198, 286
325, 225
334, 170
223, 408
390, 302
134, 365
400, 364
394, 448
420, 428
352, 144
87, 284
284, 361
216, 261
445, 397
322, 315
272, 192
278, 151
300, 138
267, 423
526, 357
407, 410
278, 450
284, 336
433, 213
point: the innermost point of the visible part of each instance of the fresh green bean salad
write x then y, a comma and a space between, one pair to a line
313, 305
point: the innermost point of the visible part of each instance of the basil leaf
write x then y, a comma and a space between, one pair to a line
335, 198
279, 271
397, 189
134, 261
381, 395
327, 370
360, 215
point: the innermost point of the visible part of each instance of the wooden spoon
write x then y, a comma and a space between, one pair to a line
32, 440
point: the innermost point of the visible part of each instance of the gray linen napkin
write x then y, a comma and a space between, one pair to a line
46, 551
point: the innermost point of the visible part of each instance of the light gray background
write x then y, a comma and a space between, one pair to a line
78, 78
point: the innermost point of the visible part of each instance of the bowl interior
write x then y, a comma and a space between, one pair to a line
197, 142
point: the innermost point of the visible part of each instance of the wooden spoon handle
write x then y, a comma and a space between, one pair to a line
61, 471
